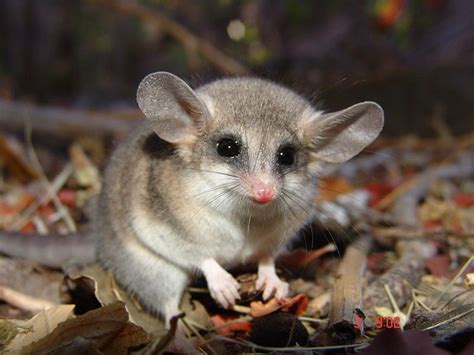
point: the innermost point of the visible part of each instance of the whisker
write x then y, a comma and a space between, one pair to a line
213, 172
222, 186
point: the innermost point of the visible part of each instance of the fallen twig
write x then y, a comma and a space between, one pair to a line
347, 291
44, 179
55, 186
22, 301
64, 123
463, 166
446, 289
404, 199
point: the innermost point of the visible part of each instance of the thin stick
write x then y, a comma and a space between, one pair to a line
56, 185
347, 292
44, 179
23, 301
392, 300
446, 289
193, 329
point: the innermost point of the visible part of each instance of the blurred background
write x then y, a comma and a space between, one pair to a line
414, 57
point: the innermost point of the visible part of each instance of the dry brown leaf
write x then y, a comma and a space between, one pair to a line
8, 331
39, 326
195, 311
98, 328
107, 292
130, 335
86, 173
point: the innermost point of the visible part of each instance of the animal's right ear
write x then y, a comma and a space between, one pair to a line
171, 106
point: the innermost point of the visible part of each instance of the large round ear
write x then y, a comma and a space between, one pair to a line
339, 136
171, 106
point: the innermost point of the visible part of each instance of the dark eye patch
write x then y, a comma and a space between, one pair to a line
286, 155
228, 147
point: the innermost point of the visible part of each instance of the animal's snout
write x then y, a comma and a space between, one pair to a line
262, 189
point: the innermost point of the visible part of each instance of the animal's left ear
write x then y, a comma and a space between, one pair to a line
339, 136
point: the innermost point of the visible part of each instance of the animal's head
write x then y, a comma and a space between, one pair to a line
252, 141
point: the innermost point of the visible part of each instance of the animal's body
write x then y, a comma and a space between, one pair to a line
217, 176
222, 175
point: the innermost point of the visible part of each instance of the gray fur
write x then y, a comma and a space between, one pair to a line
161, 212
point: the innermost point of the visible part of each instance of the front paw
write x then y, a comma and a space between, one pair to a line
223, 287
270, 282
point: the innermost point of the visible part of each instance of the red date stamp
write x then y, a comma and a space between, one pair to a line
387, 322
380, 322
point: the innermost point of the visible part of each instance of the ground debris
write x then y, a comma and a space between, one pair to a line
414, 202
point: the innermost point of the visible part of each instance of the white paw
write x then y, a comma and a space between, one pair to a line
222, 286
270, 282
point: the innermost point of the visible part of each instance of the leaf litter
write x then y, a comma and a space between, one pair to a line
414, 200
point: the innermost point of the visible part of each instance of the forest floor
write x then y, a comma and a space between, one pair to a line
388, 262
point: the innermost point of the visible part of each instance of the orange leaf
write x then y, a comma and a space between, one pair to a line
260, 309
295, 305
464, 200
331, 187
219, 320
377, 191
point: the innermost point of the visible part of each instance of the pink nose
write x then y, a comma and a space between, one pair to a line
264, 194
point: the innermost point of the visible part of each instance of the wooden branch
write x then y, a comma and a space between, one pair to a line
400, 279
406, 196
347, 292
23, 301
53, 250
189, 40
445, 169
63, 122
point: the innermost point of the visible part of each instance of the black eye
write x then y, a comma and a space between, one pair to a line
228, 147
286, 156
